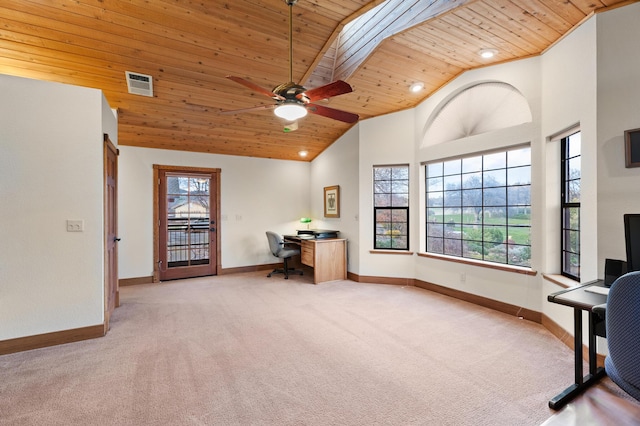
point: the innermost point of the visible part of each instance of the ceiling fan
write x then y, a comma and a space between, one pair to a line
293, 101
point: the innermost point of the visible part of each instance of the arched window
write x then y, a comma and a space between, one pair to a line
477, 109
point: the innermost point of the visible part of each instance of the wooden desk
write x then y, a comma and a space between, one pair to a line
327, 257
581, 300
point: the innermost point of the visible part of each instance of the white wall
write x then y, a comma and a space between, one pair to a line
618, 92
257, 195
386, 140
338, 165
516, 289
51, 170
591, 78
569, 98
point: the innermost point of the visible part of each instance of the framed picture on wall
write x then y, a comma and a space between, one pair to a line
632, 148
332, 201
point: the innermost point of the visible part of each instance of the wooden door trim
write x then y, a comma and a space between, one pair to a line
157, 169
109, 146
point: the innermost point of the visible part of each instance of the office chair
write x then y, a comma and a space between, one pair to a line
623, 333
279, 249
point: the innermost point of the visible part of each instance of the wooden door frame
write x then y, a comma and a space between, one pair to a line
109, 210
157, 168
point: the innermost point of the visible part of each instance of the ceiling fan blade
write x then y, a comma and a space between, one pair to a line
336, 114
255, 87
327, 91
252, 109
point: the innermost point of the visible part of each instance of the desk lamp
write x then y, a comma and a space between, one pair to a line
306, 220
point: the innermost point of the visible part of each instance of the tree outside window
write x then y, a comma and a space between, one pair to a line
391, 207
479, 207
571, 172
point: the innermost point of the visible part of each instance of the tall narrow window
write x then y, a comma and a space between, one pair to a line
391, 207
570, 205
479, 207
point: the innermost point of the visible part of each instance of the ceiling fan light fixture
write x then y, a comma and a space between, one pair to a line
293, 101
290, 111
488, 53
416, 87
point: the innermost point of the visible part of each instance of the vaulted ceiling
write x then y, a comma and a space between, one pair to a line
189, 47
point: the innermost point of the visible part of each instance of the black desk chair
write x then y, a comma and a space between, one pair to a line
283, 251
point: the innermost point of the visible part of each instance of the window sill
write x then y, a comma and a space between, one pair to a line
482, 264
405, 252
561, 280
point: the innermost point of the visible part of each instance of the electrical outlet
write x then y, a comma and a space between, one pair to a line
463, 277
75, 225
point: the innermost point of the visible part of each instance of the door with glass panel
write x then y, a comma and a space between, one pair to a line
187, 206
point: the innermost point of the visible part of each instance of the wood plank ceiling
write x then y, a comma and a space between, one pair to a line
190, 46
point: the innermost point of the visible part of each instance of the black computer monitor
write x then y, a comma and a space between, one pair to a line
613, 269
632, 241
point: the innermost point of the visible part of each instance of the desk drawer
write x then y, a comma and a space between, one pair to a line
306, 253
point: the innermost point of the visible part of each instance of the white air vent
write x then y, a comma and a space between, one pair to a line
139, 84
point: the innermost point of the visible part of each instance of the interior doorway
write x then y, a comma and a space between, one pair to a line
111, 294
186, 214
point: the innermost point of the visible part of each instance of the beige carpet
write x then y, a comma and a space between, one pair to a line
249, 350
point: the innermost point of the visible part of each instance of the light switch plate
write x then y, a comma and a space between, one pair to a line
75, 225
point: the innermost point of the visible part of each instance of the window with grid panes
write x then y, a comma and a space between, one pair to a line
391, 207
479, 207
570, 205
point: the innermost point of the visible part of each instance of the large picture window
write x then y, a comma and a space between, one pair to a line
479, 207
570, 204
391, 207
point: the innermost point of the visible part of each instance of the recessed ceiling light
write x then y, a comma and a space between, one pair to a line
416, 87
303, 153
488, 53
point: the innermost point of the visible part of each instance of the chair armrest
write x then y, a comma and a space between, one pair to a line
600, 310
